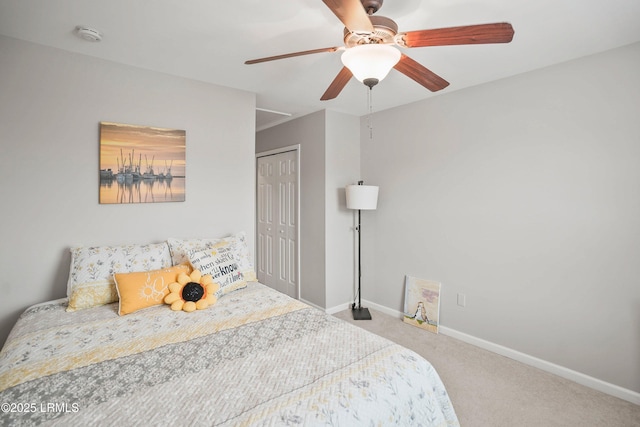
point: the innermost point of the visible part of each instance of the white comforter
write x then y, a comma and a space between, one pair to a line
257, 357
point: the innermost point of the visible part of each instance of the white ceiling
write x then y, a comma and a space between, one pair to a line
210, 40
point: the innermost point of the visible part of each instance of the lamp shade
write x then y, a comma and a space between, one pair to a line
370, 61
362, 197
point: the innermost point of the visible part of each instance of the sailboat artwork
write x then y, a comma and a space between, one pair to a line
124, 178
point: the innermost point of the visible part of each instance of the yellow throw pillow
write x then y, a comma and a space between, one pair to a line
192, 292
145, 289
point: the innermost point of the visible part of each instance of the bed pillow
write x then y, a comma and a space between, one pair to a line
92, 268
221, 264
191, 292
145, 288
180, 249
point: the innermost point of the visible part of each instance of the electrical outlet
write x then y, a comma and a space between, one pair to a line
462, 300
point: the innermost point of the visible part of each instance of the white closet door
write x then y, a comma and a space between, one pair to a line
277, 215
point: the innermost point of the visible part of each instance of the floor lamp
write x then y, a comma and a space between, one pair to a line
361, 197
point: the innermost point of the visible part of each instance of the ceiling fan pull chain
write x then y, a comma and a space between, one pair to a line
370, 104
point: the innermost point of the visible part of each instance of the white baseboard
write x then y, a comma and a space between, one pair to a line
315, 306
338, 308
561, 371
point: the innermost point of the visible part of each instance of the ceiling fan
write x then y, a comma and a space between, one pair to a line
364, 31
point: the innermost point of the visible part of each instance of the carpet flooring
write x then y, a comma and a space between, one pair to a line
488, 389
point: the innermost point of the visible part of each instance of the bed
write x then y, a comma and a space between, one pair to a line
256, 357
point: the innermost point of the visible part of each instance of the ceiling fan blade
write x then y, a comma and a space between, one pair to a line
501, 32
420, 74
352, 15
291, 55
337, 84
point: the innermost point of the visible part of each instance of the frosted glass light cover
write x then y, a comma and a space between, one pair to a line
362, 197
370, 61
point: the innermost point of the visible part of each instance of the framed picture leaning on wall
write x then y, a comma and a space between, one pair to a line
422, 303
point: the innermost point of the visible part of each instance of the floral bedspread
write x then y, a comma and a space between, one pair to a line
257, 357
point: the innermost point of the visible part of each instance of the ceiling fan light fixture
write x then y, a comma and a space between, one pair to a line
370, 62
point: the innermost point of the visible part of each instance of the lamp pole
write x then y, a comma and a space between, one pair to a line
360, 313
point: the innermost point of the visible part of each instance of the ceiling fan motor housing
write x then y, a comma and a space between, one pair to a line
385, 30
371, 6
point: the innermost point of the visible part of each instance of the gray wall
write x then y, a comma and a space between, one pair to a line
50, 108
342, 168
308, 131
524, 195
329, 160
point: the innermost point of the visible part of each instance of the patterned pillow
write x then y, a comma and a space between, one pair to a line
220, 262
92, 268
145, 288
180, 249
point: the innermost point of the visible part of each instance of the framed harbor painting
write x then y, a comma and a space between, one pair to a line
422, 303
141, 164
